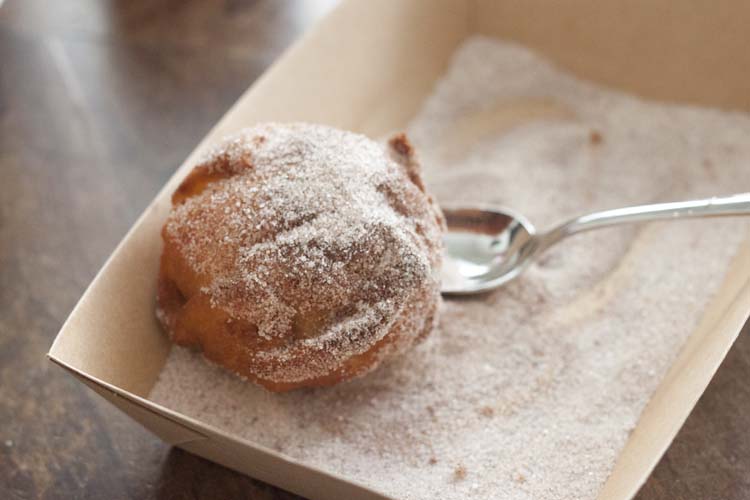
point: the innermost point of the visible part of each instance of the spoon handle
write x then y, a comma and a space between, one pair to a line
738, 204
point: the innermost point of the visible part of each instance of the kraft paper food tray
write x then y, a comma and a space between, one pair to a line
367, 67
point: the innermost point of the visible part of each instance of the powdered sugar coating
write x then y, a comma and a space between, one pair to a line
322, 242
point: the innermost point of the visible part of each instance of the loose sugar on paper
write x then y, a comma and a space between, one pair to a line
529, 392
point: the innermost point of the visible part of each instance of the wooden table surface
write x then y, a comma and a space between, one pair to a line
99, 102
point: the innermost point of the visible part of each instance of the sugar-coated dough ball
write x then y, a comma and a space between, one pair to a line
301, 255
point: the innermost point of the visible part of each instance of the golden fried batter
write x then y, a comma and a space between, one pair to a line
300, 255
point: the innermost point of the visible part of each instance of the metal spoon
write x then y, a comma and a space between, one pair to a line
486, 247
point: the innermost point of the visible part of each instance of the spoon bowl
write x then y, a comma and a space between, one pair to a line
484, 248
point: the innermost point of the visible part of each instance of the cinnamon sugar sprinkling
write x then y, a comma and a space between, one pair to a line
569, 354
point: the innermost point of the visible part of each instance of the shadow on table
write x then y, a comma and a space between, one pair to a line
184, 475
710, 457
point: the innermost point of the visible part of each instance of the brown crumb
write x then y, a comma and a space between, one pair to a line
708, 166
459, 473
487, 411
541, 299
595, 137
520, 478
403, 153
401, 144
432, 461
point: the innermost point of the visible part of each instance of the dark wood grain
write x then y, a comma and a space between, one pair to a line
99, 102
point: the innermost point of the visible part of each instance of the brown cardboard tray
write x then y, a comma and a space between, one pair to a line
366, 68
